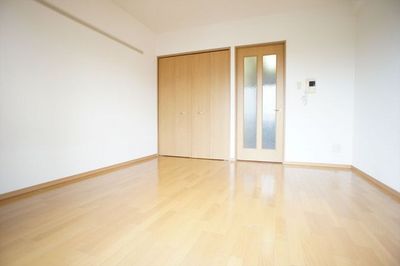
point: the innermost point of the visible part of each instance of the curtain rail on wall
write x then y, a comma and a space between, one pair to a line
86, 24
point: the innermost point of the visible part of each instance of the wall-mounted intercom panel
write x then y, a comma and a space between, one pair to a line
311, 86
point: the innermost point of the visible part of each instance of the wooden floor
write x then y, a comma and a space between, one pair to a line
172, 211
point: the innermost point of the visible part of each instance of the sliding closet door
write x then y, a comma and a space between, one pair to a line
201, 115
220, 104
210, 105
174, 81
194, 105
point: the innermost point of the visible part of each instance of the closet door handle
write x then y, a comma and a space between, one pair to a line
182, 113
200, 113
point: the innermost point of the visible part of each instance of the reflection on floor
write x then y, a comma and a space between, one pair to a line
175, 211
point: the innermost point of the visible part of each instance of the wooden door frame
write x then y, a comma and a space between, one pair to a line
228, 48
237, 91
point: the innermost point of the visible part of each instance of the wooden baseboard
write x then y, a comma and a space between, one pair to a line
70, 179
385, 188
319, 165
75, 178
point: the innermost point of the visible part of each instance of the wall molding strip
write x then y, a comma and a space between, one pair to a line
87, 25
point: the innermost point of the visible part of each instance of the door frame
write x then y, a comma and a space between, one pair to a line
237, 98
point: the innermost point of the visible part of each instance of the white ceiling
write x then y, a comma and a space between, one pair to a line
169, 15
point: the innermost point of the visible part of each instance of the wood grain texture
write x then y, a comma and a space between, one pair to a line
69, 179
201, 100
174, 106
390, 191
259, 50
177, 211
323, 165
194, 52
194, 105
220, 104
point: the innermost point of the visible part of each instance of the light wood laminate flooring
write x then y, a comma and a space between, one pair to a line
178, 211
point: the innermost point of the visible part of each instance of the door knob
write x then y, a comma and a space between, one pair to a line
181, 113
276, 110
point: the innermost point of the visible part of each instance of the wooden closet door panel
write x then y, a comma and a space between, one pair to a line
194, 105
220, 104
183, 106
166, 106
201, 116
174, 107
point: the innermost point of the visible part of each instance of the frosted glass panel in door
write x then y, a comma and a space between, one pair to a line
250, 103
269, 102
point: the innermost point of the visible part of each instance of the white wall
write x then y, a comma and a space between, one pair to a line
320, 44
72, 100
377, 91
